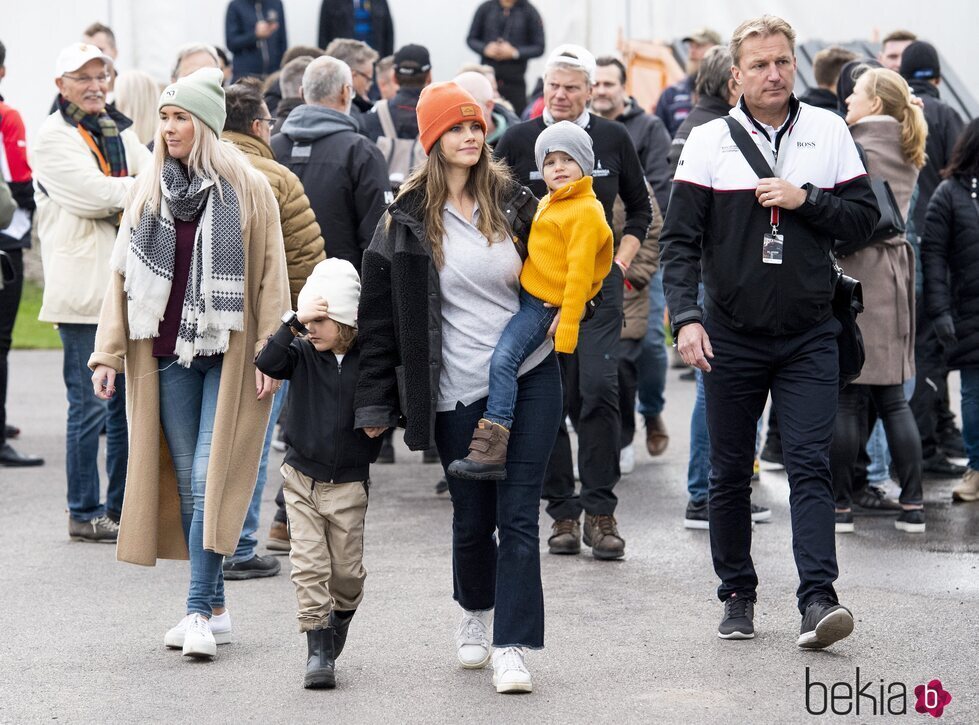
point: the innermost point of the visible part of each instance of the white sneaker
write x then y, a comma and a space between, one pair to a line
198, 640
627, 460
472, 639
220, 625
509, 671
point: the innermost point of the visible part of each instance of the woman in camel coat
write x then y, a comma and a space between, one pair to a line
199, 281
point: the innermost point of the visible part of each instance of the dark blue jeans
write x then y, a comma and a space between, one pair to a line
524, 333
970, 415
504, 574
87, 416
802, 373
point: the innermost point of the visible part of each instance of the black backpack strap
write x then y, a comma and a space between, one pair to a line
756, 160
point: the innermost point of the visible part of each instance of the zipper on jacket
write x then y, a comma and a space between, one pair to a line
336, 435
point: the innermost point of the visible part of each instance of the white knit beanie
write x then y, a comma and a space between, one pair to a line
337, 282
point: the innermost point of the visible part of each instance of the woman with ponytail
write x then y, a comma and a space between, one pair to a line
891, 130
198, 283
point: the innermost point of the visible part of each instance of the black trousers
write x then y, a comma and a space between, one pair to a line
512, 84
860, 405
802, 373
9, 302
629, 353
591, 400
929, 402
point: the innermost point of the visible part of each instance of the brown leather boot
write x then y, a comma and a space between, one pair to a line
565, 537
602, 535
657, 439
487, 454
278, 537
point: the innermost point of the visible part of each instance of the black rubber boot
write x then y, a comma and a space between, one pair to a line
320, 666
340, 621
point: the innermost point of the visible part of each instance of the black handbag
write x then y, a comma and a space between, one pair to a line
847, 293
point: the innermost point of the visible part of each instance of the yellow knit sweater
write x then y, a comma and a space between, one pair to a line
569, 253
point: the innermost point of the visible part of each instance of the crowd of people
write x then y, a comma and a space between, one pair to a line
325, 242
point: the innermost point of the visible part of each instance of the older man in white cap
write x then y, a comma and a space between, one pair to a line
84, 157
591, 373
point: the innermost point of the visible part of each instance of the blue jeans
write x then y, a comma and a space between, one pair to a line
524, 333
653, 363
970, 415
698, 467
247, 541
87, 415
188, 401
504, 576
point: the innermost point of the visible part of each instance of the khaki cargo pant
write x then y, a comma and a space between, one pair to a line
326, 529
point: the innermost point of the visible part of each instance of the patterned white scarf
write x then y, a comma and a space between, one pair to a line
213, 303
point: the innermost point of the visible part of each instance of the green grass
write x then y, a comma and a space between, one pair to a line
29, 334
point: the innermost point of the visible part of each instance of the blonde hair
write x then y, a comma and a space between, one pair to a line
488, 179
137, 96
346, 336
764, 26
210, 158
895, 101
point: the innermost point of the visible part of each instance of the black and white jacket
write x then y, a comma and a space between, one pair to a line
715, 226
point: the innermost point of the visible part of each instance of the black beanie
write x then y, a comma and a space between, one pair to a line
848, 79
919, 61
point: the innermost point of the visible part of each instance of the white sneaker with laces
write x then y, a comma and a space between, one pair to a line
220, 625
472, 639
627, 460
509, 671
198, 640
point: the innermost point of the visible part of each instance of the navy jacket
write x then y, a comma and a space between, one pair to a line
254, 57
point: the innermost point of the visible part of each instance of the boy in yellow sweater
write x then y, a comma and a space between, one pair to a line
569, 253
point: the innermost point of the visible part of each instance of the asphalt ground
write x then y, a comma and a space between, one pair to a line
632, 641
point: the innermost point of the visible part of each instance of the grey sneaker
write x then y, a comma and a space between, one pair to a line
739, 619
102, 530
823, 624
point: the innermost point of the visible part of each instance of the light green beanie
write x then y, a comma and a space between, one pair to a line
201, 94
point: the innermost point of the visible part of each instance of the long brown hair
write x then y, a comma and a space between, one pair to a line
895, 101
488, 179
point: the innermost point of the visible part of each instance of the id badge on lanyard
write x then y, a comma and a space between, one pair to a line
773, 244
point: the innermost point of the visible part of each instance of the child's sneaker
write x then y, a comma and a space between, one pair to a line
509, 671
220, 625
487, 454
472, 639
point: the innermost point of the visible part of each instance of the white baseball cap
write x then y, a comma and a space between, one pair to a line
575, 56
76, 55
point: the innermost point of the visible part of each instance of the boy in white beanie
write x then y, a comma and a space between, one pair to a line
327, 466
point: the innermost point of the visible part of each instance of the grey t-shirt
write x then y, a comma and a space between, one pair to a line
480, 293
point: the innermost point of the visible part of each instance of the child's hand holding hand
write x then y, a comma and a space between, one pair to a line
314, 309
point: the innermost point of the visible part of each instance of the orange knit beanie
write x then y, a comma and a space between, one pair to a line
440, 107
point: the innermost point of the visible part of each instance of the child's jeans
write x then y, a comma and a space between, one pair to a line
524, 333
326, 530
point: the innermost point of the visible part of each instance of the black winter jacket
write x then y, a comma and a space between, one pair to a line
337, 21
323, 443
652, 142
403, 114
521, 26
254, 57
950, 258
707, 109
344, 174
944, 127
400, 318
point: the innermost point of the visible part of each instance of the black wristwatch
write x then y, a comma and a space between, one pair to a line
813, 193
291, 320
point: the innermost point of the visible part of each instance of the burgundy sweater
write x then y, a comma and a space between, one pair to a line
166, 341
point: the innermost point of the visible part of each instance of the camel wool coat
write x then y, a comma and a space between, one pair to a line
150, 524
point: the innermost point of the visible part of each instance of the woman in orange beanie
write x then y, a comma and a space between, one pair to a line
441, 280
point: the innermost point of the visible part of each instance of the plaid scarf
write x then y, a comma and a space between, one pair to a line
214, 301
105, 128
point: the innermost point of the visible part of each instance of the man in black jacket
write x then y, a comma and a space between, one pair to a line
366, 20
940, 439
591, 373
762, 247
506, 34
413, 71
826, 67
344, 174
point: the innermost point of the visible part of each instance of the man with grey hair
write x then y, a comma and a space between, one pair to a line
344, 173
194, 57
591, 373
758, 199
361, 59
291, 89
